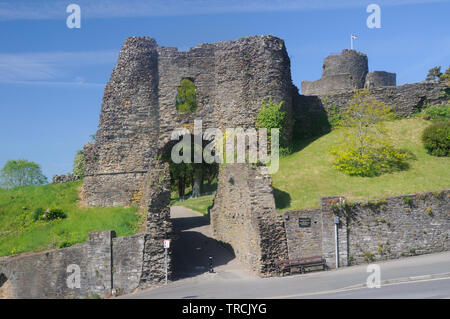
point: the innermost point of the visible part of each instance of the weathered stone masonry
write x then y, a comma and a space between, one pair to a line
244, 216
105, 262
139, 110
376, 230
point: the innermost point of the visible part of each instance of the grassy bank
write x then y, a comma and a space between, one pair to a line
199, 204
19, 233
308, 174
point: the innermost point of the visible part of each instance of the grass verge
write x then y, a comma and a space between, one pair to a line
19, 233
308, 174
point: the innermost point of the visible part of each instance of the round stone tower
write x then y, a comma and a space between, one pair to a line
348, 62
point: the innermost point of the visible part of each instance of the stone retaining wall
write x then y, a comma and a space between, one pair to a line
106, 264
376, 230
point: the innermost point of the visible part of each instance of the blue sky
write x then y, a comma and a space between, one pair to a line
52, 78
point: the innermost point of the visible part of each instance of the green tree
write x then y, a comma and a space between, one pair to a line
434, 74
365, 149
21, 173
186, 101
446, 76
78, 164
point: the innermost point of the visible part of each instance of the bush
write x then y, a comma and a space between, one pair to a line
271, 116
37, 213
78, 164
54, 213
375, 160
335, 116
437, 112
436, 138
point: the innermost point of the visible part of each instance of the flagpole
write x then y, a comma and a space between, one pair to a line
351, 41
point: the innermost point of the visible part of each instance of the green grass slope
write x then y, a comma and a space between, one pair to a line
308, 174
19, 233
199, 204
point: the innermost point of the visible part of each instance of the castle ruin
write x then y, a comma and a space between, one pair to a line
231, 78
347, 71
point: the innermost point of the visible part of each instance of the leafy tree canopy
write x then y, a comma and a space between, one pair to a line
434, 74
365, 149
21, 173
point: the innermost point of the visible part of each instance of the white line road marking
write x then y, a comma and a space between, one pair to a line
356, 288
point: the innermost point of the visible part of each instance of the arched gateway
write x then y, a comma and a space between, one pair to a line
139, 114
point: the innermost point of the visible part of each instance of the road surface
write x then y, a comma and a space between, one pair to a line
426, 276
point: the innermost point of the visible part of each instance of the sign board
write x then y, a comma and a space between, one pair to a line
166, 243
304, 222
336, 220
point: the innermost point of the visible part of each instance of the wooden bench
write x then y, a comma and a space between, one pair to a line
300, 263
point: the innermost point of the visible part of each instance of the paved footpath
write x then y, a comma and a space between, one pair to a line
426, 276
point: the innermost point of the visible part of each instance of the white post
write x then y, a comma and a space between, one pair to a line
165, 261
336, 240
351, 41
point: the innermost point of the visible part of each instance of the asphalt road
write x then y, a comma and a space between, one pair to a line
426, 276
437, 288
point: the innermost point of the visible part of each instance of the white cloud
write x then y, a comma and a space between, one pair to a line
48, 68
56, 9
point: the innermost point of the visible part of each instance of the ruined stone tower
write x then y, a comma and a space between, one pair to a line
347, 71
139, 111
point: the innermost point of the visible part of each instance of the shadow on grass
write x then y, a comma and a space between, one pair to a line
282, 198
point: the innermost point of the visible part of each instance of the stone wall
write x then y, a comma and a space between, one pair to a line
106, 264
303, 241
332, 83
65, 178
404, 99
245, 217
400, 226
139, 111
369, 231
380, 78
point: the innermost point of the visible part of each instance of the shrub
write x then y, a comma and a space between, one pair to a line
271, 116
78, 164
369, 257
436, 138
437, 112
376, 158
335, 116
37, 213
54, 213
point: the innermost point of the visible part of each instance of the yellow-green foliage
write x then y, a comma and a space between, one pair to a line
365, 149
187, 97
308, 174
78, 164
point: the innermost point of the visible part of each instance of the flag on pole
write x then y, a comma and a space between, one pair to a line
352, 37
